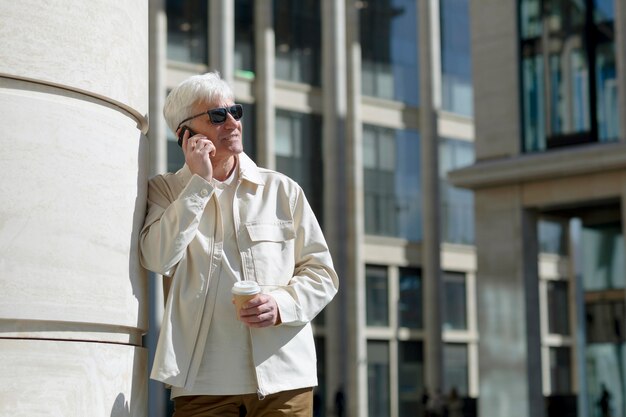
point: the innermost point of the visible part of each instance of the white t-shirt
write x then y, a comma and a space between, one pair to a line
228, 348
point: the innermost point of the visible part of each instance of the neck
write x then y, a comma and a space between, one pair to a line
223, 169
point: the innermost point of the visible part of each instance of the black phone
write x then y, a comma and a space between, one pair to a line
182, 133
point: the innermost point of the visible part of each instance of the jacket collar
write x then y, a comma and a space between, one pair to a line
248, 171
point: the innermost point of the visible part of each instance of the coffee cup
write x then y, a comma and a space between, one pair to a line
243, 291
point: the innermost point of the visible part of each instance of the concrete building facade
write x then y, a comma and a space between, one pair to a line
549, 85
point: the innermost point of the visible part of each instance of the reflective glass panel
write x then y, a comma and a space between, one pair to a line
606, 386
558, 307
552, 236
456, 368
377, 296
392, 182
378, 401
187, 23
603, 257
607, 100
457, 205
561, 370
410, 303
299, 154
455, 301
410, 377
389, 51
533, 91
298, 39
244, 38
456, 59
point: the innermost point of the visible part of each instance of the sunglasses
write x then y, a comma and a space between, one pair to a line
219, 115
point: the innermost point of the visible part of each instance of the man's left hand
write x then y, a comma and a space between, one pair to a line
260, 311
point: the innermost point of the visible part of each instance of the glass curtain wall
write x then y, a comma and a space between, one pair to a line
244, 38
187, 31
297, 26
298, 154
604, 280
392, 182
567, 72
389, 50
456, 57
395, 339
457, 205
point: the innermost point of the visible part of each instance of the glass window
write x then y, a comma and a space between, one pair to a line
558, 307
248, 126
603, 257
377, 295
389, 50
455, 359
244, 38
299, 154
457, 205
568, 73
552, 236
298, 40
560, 370
455, 304
392, 182
456, 59
410, 377
187, 23
378, 400
410, 303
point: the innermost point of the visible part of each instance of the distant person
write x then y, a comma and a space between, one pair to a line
604, 403
340, 403
217, 221
455, 404
435, 406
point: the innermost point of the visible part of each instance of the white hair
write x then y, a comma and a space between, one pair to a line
209, 87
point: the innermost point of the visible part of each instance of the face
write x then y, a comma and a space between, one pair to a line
226, 136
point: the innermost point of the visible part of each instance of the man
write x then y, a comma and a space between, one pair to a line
218, 220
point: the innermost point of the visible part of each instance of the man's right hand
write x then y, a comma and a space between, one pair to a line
198, 151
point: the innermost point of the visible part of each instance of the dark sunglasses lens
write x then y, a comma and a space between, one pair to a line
236, 111
217, 115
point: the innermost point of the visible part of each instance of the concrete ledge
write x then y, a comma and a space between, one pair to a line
549, 165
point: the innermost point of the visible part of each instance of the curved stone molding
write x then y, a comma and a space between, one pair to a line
74, 189
71, 379
99, 47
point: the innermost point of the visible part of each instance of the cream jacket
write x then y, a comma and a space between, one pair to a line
281, 247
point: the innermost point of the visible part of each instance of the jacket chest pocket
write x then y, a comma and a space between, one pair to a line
272, 249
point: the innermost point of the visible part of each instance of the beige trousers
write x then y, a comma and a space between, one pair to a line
296, 403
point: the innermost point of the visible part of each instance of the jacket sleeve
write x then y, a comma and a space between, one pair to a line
171, 224
315, 282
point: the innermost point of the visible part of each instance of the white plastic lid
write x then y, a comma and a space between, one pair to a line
246, 288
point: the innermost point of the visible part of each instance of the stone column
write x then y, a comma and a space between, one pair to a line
222, 38
73, 99
264, 82
431, 240
508, 312
352, 288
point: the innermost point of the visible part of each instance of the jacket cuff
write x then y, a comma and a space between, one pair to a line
197, 192
286, 306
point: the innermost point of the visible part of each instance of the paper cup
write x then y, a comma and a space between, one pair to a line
243, 291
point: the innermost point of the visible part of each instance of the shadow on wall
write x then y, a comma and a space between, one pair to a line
121, 407
137, 274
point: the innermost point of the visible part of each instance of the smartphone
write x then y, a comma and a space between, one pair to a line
182, 133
